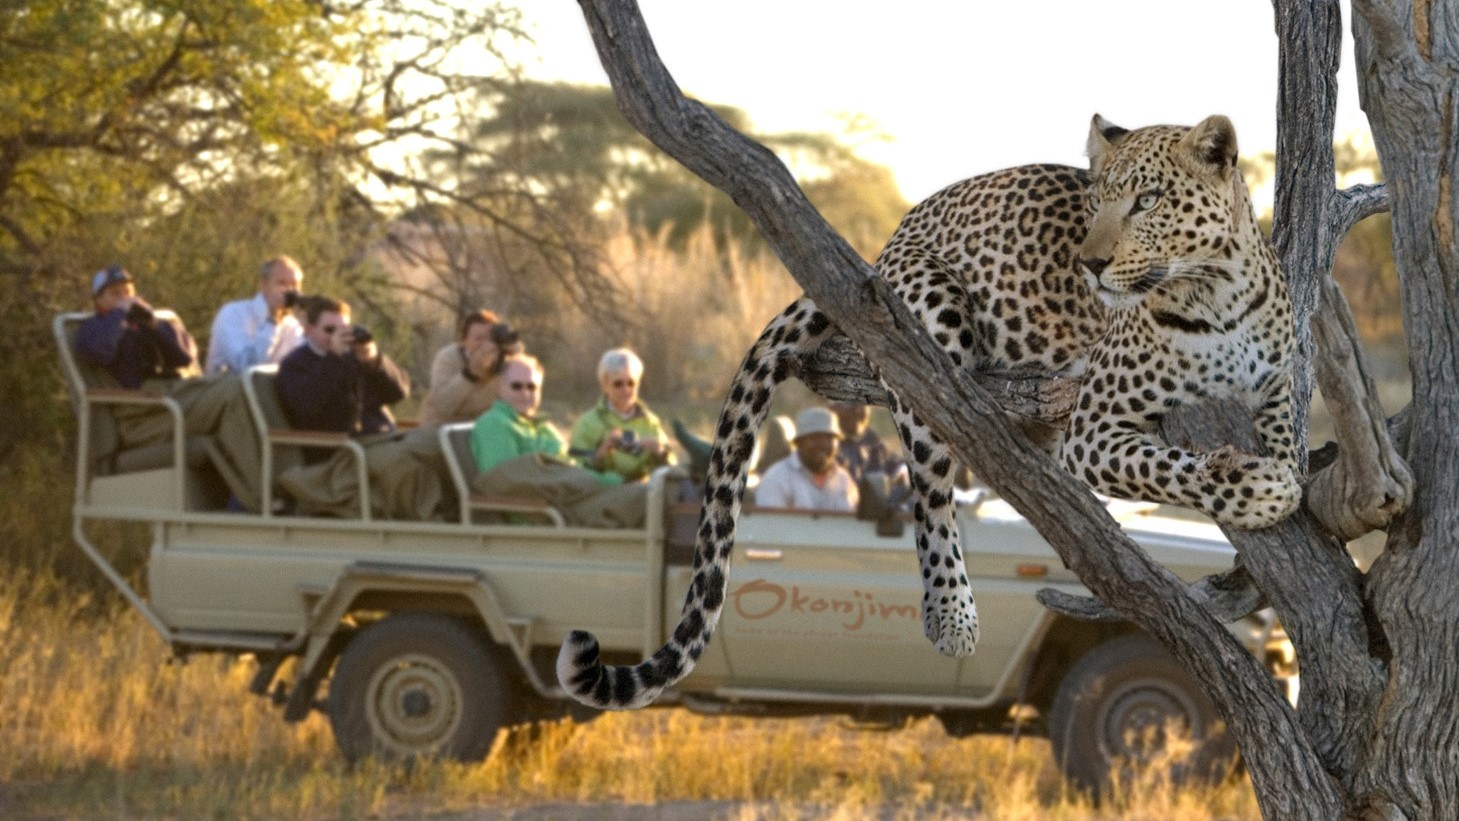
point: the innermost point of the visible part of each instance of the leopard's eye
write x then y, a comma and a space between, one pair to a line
1146, 201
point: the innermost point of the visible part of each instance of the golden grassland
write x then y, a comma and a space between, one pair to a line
99, 723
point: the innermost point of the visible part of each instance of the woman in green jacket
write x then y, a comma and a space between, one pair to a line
620, 434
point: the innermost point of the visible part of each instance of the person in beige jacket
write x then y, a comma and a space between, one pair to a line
464, 373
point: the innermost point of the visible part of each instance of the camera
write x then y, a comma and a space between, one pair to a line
628, 440
291, 299
362, 334
140, 314
504, 337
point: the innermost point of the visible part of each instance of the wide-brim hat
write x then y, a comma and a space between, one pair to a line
817, 420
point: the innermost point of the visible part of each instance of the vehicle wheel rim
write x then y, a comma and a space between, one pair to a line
1134, 721
413, 705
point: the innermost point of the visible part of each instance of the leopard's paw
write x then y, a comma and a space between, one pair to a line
1252, 492
950, 620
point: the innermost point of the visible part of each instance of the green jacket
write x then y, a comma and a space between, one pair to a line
501, 434
595, 425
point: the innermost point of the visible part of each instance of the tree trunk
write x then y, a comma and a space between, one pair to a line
1408, 71
1319, 767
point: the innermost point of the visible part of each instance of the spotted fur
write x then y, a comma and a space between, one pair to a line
1146, 274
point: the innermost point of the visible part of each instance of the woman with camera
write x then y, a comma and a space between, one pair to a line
620, 434
465, 372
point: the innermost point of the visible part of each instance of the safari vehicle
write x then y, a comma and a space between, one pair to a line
426, 638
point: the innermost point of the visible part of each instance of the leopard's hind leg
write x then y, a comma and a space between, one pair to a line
949, 614
935, 296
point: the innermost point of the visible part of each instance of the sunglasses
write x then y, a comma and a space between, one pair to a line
623, 383
523, 386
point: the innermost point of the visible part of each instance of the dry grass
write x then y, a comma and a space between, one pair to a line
99, 724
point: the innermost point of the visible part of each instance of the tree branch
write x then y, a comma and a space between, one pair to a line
1369, 484
1226, 596
1385, 22
1356, 203
1308, 577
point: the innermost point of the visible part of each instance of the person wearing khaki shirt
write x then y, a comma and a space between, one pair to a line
464, 374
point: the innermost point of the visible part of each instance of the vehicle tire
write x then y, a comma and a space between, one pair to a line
418, 685
1112, 710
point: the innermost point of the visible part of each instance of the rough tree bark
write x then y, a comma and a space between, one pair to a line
1408, 73
1341, 754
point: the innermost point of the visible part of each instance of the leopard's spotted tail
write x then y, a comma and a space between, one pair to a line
795, 332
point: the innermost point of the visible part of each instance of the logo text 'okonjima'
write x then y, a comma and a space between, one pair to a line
760, 599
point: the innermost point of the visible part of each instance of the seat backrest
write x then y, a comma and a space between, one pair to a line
261, 390
103, 436
263, 397
79, 375
459, 436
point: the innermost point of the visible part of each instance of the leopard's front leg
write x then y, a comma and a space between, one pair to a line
1273, 418
1116, 457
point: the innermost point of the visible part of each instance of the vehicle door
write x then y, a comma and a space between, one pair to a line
820, 601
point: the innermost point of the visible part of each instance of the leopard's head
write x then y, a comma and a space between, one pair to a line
1167, 204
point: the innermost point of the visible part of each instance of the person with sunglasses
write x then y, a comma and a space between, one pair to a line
323, 384
620, 434
518, 453
336, 381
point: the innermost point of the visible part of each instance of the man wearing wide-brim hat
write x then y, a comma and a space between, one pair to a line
809, 478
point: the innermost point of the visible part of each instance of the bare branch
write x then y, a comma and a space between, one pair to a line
1370, 484
1354, 204
1228, 597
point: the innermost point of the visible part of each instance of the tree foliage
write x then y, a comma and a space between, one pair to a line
570, 144
189, 139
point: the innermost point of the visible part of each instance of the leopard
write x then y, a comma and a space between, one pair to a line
1146, 277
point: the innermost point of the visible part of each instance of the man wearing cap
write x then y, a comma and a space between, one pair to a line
809, 478
260, 330
141, 351
127, 339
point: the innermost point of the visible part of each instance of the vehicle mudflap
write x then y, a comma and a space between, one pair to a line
268, 667
301, 701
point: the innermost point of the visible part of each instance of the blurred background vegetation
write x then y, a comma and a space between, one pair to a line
395, 150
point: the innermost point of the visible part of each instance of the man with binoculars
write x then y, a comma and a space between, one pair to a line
262, 329
140, 350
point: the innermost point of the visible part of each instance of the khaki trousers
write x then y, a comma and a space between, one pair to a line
212, 406
406, 471
583, 500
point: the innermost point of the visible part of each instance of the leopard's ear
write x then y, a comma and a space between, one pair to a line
1210, 146
1103, 135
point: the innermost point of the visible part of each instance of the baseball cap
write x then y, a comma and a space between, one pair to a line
816, 420
111, 276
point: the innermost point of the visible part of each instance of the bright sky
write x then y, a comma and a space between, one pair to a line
960, 86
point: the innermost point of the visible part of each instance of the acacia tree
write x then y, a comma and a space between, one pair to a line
1374, 735
189, 139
